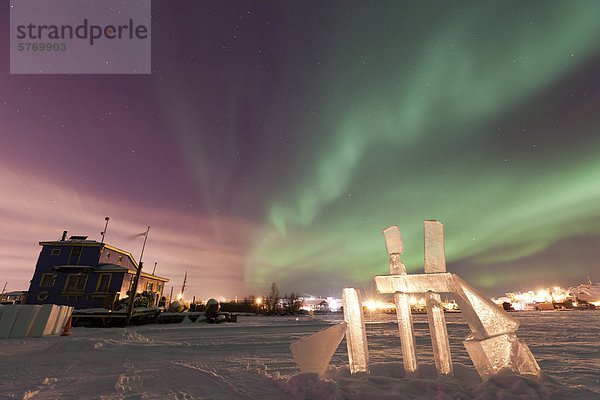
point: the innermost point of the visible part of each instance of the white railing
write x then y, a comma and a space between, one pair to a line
23, 320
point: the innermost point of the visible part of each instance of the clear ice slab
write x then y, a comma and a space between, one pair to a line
484, 317
356, 335
393, 240
407, 334
435, 264
313, 353
526, 362
435, 256
395, 247
503, 352
415, 283
439, 333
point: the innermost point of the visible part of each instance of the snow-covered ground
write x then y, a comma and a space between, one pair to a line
252, 360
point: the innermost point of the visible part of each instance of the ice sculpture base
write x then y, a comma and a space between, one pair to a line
502, 352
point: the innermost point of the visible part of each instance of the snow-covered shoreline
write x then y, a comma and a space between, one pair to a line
252, 360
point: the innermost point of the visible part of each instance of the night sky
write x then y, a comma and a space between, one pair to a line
275, 140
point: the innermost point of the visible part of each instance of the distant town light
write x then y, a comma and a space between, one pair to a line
334, 304
374, 305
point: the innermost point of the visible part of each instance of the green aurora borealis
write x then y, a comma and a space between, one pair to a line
460, 120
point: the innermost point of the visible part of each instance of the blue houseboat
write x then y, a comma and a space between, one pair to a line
87, 274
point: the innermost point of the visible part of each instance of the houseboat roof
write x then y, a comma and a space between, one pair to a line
74, 242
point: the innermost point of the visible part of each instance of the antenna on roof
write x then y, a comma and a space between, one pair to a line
105, 227
144, 245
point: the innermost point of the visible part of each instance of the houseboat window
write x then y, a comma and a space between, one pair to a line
103, 283
149, 287
75, 254
120, 258
108, 254
55, 252
48, 280
75, 282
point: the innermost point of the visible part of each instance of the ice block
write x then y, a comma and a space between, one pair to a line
313, 353
439, 333
407, 334
526, 363
356, 335
435, 257
485, 318
395, 247
501, 352
494, 354
415, 283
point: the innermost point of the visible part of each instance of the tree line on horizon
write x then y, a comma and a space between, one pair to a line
272, 304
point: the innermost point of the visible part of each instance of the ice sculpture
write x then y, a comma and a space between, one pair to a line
435, 262
356, 335
395, 247
313, 353
492, 345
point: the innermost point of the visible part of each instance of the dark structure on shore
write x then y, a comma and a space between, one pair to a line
86, 274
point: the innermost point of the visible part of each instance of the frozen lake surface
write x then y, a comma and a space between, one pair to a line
252, 360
